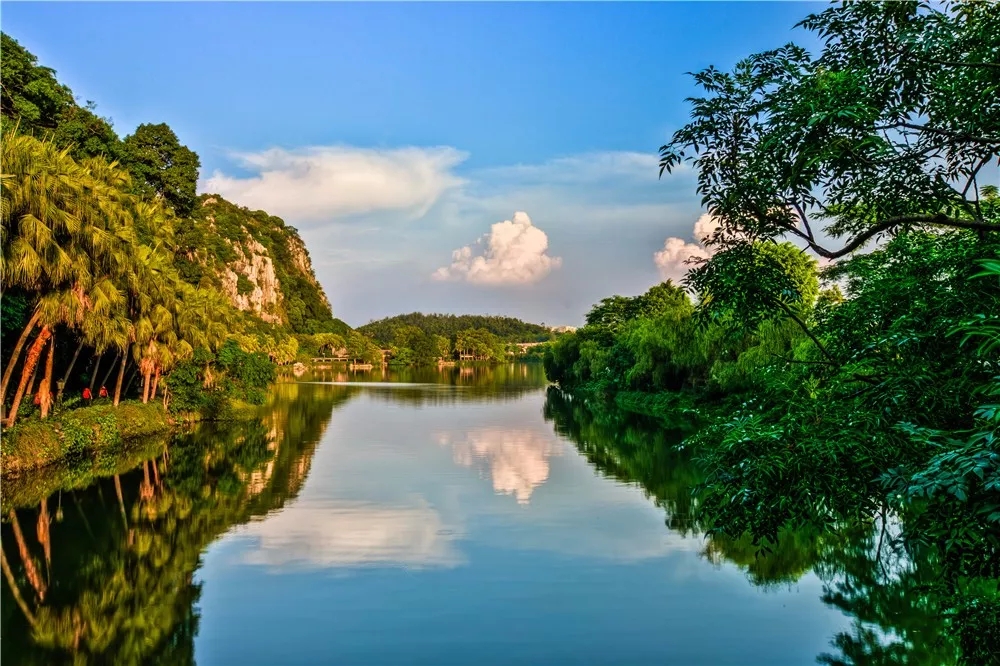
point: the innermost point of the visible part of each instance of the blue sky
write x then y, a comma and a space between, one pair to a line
392, 135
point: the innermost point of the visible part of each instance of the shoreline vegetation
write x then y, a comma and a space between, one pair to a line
105, 434
861, 391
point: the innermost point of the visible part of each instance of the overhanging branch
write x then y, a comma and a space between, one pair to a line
892, 222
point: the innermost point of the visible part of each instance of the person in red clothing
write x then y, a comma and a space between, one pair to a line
87, 395
103, 393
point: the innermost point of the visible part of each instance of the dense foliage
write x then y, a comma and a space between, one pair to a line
209, 382
870, 400
38, 104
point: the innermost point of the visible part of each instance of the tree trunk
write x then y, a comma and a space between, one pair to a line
8, 372
69, 369
156, 382
30, 363
45, 390
97, 366
12, 582
121, 376
107, 375
32, 384
146, 381
29, 562
42, 531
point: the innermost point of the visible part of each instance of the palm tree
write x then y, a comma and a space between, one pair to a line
64, 233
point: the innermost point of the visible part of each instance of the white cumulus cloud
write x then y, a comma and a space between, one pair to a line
329, 181
673, 260
515, 253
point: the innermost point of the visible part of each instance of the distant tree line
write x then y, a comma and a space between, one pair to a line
507, 329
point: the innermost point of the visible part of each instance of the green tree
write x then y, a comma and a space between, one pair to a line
162, 166
32, 99
887, 129
30, 94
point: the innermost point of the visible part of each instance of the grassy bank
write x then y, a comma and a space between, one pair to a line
71, 473
103, 433
94, 430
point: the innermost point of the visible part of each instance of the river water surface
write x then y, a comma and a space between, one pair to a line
460, 516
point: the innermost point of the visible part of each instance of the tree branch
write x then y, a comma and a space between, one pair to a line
972, 178
802, 216
957, 63
885, 225
989, 140
805, 328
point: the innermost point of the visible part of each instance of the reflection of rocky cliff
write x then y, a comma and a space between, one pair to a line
518, 459
105, 575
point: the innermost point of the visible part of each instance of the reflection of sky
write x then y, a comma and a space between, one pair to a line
460, 527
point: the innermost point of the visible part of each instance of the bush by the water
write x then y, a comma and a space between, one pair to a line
208, 383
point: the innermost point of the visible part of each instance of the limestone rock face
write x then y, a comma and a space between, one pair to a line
257, 260
256, 267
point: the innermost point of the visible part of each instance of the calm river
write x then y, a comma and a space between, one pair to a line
445, 517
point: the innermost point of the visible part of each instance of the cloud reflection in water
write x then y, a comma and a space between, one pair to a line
518, 459
335, 534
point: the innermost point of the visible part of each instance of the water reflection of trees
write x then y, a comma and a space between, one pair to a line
897, 616
435, 385
105, 574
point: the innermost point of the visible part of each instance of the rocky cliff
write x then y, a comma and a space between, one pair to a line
254, 258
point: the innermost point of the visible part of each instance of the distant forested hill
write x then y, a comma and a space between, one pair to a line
508, 329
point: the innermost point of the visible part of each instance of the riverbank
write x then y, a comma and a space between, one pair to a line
99, 431
34, 444
27, 488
